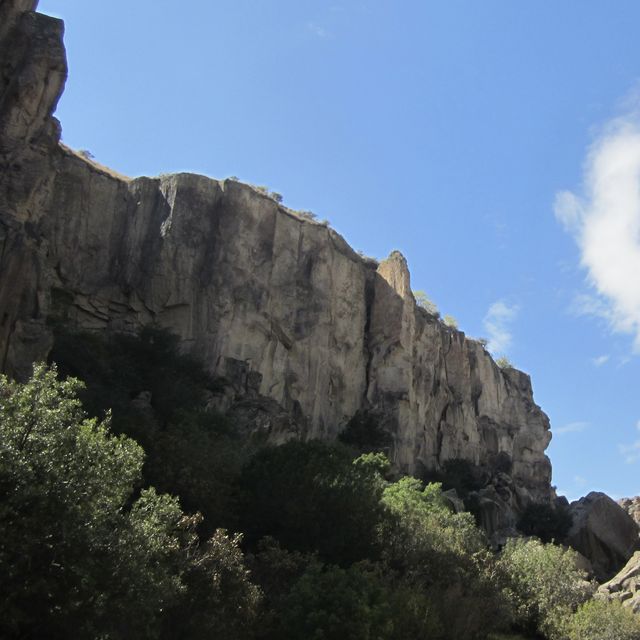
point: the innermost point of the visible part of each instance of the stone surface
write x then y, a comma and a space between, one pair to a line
625, 586
632, 507
300, 330
603, 532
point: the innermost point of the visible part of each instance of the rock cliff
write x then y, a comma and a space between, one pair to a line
303, 332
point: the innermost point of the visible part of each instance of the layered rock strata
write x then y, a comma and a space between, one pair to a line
303, 332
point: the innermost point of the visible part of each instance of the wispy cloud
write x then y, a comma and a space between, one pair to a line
497, 324
600, 360
605, 222
631, 452
572, 427
318, 30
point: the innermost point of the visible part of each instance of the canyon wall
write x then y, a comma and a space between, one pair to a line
302, 332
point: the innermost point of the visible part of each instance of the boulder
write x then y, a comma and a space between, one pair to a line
603, 532
625, 586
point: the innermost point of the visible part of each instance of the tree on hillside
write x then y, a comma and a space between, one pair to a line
312, 496
82, 553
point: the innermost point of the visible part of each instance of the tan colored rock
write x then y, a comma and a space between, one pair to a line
301, 330
603, 532
632, 507
625, 586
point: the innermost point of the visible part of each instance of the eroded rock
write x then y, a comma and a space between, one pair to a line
603, 532
625, 586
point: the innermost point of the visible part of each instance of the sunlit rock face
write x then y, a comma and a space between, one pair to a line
301, 331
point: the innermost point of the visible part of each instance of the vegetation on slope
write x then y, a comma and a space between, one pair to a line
99, 539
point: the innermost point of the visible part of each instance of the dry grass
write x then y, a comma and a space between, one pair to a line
94, 164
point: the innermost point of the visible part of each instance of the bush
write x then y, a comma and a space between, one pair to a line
363, 432
312, 497
450, 321
602, 620
442, 557
545, 522
504, 363
424, 302
461, 475
331, 603
157, 396
543, 585
78, 559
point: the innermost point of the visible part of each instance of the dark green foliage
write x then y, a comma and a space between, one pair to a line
364, 434
443, 558
312, 497
80, 555
330, 603
459, 474
117, 368
546, 522
542, 585
74, 561
156, 395
601, 620
219, 600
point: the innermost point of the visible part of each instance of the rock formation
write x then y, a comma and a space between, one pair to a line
625, 587
303, 331
632, 507
603, 532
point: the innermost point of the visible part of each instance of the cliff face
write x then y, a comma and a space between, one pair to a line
303, 331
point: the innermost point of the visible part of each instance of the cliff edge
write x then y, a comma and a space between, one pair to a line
302, 332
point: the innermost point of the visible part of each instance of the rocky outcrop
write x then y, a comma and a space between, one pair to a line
300, 330
632, 507
624, 587
603, 532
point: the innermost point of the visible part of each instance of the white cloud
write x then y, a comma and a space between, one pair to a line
600, 360
318, 30
631, 452
497, 324
572, 427
605, 223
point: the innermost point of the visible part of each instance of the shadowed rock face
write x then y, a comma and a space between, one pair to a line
302, 331
603, 532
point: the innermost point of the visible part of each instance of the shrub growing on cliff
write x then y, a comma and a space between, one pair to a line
363, 433
545, 522
423, 301
450, 321
156, 395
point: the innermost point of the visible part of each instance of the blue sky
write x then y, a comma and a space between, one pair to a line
495, 143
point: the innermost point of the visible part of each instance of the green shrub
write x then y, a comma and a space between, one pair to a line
545, 522
543, 585
602, 620
450, 321
313, 497
442, 557
504, 363
77, 558
363, 433
330, 603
